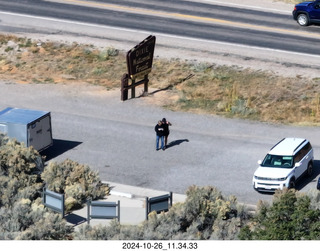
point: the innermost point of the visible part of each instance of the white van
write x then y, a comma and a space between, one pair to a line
285, 163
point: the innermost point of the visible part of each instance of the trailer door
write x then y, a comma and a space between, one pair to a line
40, 134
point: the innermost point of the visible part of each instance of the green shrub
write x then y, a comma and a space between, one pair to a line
290, 217
3, 139
19, 172
16, 159
29, 220
78, 182
49, 227
114, 231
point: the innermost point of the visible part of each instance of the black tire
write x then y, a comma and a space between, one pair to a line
303, 19
310, 169
292, 184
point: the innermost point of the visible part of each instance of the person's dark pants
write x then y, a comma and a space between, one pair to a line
166, 140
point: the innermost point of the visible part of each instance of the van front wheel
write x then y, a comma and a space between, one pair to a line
292, 184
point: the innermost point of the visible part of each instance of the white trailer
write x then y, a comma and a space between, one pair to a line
31, 127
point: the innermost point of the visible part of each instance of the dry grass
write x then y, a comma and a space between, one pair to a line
25, 61
253, 95
290, 1
189, 86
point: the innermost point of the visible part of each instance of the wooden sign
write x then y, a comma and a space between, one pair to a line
140, 58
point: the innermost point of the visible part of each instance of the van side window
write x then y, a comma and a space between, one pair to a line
307, 147
298, 157
303, 152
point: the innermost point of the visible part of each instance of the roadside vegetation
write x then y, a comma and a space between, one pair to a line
291, 1
190, 86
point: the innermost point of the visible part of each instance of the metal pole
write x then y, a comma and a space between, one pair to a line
119, 211
147, 207
44, 196
88, 211
62, 211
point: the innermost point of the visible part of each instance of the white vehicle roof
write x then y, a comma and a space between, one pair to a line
287, 146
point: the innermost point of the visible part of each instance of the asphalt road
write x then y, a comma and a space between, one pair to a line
259, 35
201, 20
92, 126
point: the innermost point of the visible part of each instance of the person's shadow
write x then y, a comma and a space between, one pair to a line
176, 142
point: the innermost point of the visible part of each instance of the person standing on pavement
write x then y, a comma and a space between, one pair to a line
159, 135
166, 125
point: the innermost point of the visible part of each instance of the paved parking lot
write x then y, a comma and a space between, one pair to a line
93, 126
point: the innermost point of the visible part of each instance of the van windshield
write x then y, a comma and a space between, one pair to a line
278, 161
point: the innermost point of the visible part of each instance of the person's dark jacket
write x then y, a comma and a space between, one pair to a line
166, 129
159, 130
166, 125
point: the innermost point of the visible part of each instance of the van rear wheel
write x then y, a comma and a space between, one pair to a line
310, 169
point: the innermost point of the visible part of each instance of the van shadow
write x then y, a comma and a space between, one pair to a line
176, 142
304, 181
59, 147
